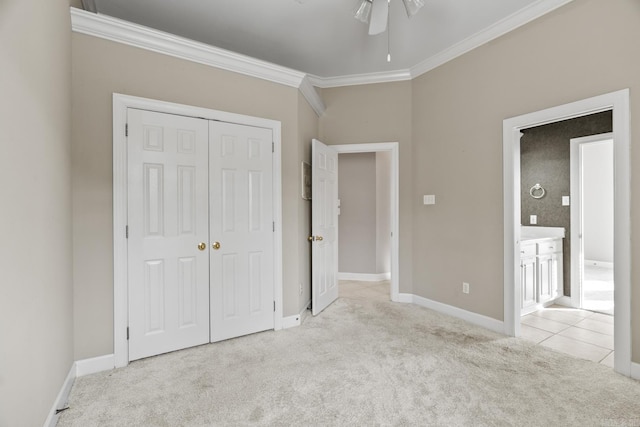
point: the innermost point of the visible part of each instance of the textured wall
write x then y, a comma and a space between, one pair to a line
545, 159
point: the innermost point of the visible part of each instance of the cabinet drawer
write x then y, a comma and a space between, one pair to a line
550, 246
527, 250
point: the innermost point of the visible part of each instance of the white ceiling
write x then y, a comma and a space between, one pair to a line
319, 37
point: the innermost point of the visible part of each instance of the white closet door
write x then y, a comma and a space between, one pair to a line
241, 218
168, 219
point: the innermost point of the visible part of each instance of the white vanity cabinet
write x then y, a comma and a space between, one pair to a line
528, 275
541, 272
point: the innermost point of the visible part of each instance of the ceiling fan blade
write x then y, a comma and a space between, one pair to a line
379, 15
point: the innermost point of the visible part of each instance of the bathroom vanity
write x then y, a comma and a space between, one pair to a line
541, 267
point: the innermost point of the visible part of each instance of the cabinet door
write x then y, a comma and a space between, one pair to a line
556, 275
547, 280
528, 281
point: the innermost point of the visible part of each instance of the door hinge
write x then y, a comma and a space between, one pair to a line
274, 226
126, 129
127, 333
126, 232
273, 147
274, 306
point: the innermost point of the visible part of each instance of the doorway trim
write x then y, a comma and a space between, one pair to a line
120, 188
393, 149
618, 102
577, 269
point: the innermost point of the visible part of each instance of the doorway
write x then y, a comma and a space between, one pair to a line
618, 103
389, 159
592, 223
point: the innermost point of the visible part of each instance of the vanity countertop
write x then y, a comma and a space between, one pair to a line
529, 233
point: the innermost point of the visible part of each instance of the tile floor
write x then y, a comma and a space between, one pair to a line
597, 289
580, 333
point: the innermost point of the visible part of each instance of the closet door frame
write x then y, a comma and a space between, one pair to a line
121, 103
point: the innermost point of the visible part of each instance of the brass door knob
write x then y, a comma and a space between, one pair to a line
319, 238
202, 246
216, 245
313, 238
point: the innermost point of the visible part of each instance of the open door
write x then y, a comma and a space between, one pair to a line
324, 226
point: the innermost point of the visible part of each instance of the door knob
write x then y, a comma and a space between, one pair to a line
202, 246
216, 245
319, 238
312, 238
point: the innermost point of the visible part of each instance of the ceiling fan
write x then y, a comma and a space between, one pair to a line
376, 13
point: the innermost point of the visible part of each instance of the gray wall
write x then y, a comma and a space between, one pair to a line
545, 159
597, 201
383, 212
357, 221
364, 189
36, 329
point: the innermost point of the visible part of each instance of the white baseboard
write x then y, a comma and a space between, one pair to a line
598, 263
62, 398
635, 371
475, 318
95, 364
297, 319
364, 277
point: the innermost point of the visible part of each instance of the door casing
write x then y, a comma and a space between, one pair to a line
393, 149
618, 103
120, 187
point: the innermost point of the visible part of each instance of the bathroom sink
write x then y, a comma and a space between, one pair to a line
528, 232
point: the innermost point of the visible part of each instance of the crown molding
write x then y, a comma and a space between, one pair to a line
311, 94
158, 41
500, 28
361, 79
135, 35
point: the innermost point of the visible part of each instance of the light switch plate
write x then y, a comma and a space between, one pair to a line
429, 199
566, 201
533, 219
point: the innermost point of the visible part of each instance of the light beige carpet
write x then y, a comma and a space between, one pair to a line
364, 361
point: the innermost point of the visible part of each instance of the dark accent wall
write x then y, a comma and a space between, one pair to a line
545, 159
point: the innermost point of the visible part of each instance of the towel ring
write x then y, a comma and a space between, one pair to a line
537, 192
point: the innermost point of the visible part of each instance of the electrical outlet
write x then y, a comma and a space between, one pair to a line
465, 288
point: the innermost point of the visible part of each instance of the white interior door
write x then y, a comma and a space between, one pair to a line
168, 229
242, 230
324, 226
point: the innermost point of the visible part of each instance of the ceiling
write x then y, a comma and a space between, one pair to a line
319, 37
